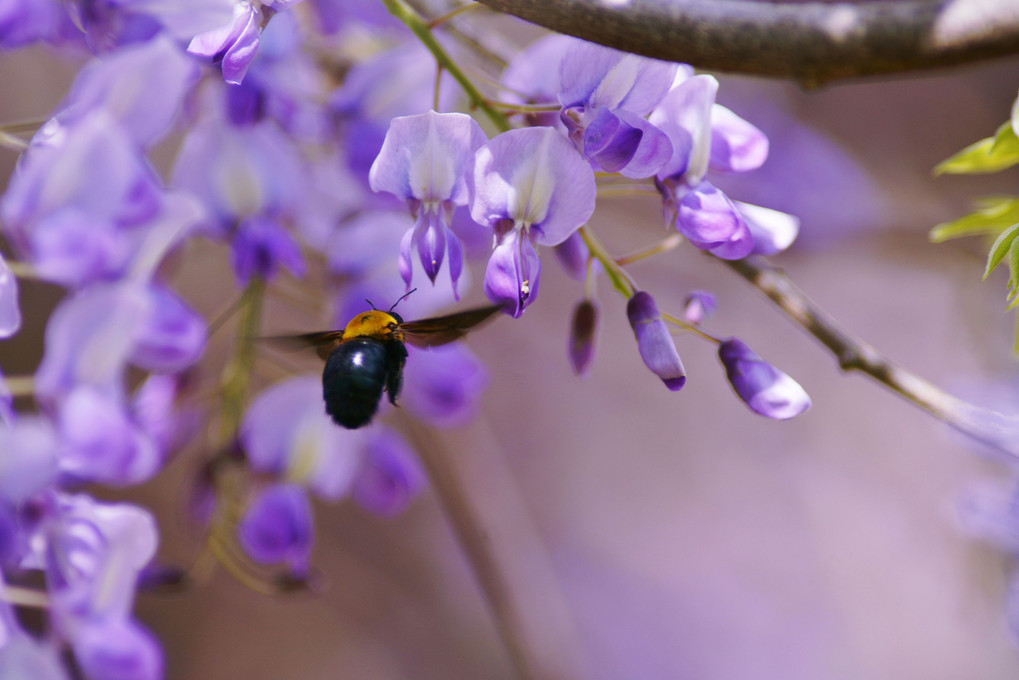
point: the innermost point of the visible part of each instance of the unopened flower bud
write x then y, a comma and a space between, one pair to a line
765, 389
583, 328
654, 341
700, 304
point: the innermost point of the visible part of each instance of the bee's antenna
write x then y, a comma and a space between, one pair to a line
370, 303
400, 298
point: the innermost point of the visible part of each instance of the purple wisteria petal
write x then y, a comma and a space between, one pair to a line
532, 76
287, 432
425, 157
278, 527
442, 386
237, 172
141, 86
685, 116
117, 649
171, 335
29, 462
6, 405
513, 274
583, 329
537, 180
990, 512
366, 242
574, 257
710, 221
335, 15
26, 21
153, 408
102, 443
10, 310
89, 338
594, 76
73, 249
620, 141
108, 23
391, 475
235, 44
736, 145
699, 305
765, 389
654, 341
22, 656
261, 246
773, 231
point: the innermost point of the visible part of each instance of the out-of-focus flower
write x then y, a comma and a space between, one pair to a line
113, 23
442, 385
29, 463
261, 246
606, 95
532, 188
765, 389
10, 310
26, 21
278, 527
391, 476
583, 329
119, 648
654, 341
699, 305
423, 161
532, 76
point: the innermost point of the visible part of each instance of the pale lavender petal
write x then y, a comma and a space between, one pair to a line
535, 178
10, 310
765, 389
710, 221
29, 461
424, 157
406, 262
171, 335
573, 255
154, 409
117, 649
583, 329
366, 242
736, 145
773, 231
73, 249
443, 385
242, 51
142, 86
102, 443
654, 341
595, 76
278, 526
685, 116
532, 76
184, 19
391, 475
991, 512
22, 656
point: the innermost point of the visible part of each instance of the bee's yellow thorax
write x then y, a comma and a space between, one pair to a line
372, 323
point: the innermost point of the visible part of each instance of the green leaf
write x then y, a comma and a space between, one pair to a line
1001, 246
993, 214
990, 154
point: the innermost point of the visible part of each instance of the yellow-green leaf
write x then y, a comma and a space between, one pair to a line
1000, 248
990, 154
993, 214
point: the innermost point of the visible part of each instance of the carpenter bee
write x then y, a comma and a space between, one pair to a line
366, 358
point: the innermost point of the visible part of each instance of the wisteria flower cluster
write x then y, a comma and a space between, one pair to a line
293, 155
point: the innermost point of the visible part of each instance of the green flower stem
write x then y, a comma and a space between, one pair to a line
621, 281
236, 380
665, 245
419, 27
676, 321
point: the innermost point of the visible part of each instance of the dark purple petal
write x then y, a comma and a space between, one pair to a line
10, 310
430, 235
443, 385
536, 179
654, 341
171, 336
278, 527
736, 145
583, 328
512, 275
699, 305
117, 649
765, 389
391, 475
234, 44
261, 246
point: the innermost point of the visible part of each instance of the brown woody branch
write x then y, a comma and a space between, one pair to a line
812, 42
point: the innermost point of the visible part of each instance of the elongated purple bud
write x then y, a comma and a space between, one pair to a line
583, 328
765, 389
654, 341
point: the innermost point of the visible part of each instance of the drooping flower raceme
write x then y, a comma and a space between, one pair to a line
532, 187
423, 161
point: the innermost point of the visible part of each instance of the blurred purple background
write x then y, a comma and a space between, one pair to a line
658, 535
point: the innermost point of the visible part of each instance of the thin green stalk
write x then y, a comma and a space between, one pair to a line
419, 27
621, 281
236, 380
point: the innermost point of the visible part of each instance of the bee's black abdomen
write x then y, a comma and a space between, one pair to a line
353, 380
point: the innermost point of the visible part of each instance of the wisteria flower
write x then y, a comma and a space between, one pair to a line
654, 341
442, 385
278, 527
699, 305
531, 187
390, 477
423, 161
765, 389
606, 95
